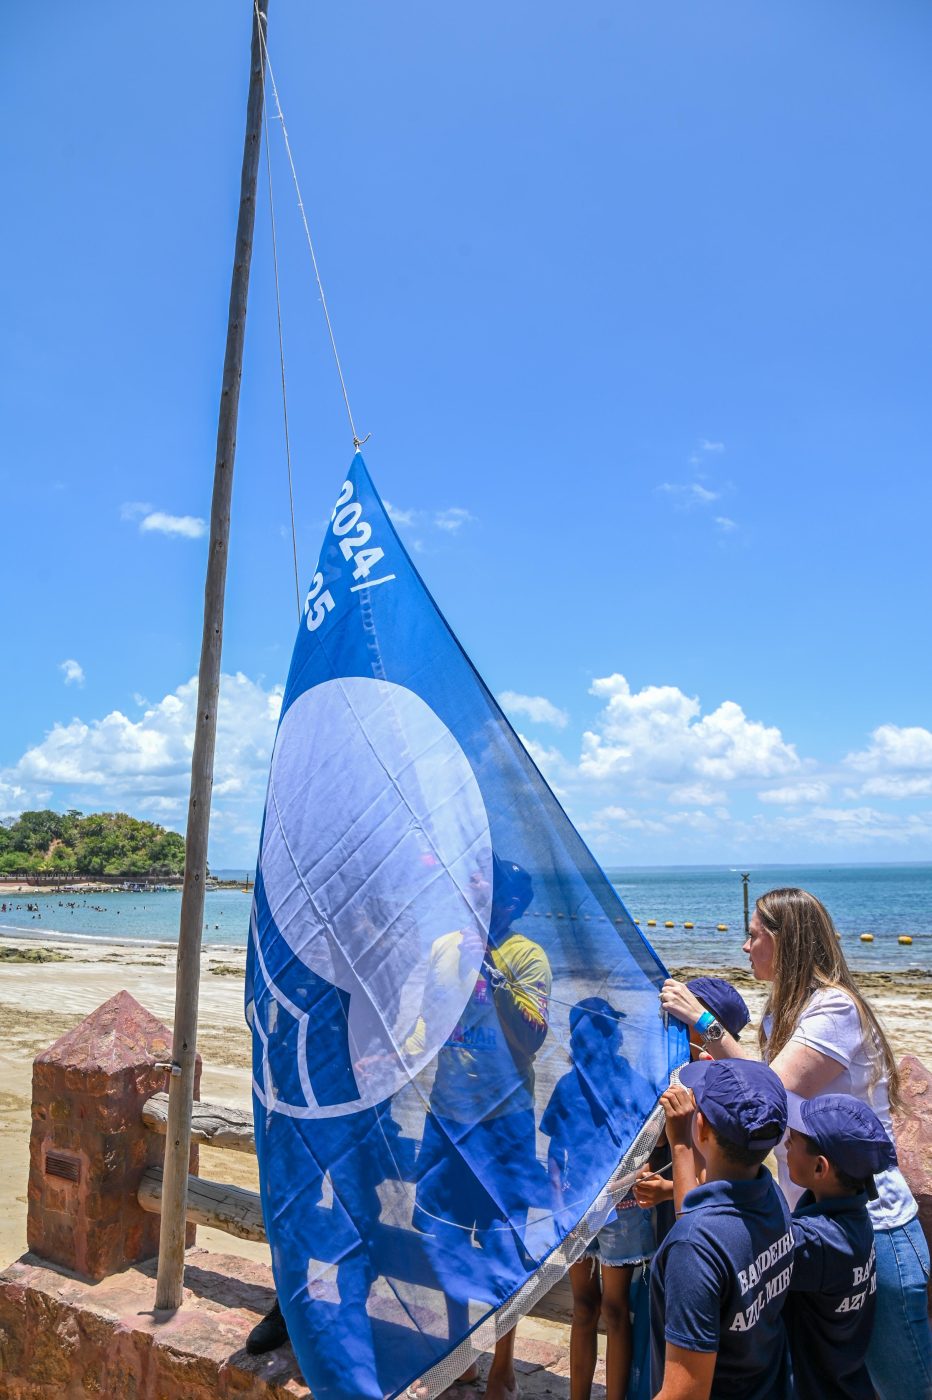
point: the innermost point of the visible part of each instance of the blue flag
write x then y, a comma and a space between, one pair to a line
456, 1034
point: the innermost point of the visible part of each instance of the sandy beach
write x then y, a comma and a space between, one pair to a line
39, 1001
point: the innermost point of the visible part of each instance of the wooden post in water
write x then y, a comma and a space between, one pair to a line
747, 925
170, 1283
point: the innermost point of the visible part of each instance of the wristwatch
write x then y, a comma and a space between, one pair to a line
709, 1028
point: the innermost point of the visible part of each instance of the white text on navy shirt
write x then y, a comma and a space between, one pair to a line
750, 1277
859, 1276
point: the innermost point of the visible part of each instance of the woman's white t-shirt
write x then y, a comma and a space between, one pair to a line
830, 1024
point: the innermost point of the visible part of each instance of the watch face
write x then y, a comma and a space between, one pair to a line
715, 1031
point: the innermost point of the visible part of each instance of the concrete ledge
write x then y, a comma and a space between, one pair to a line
62, 1338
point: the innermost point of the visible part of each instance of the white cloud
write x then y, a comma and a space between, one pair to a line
897, 763
838, 829
726, 524
12, 799
549, 760
73, 672
188, 527
449, 520
708, 446
452, 519
858, 823
145, 764
536, 708
697, 795
697, 821
398, 516
897, 785
893, 747
626, 818
685, 495
795, 794
659, 733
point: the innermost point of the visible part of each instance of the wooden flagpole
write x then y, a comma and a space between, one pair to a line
170, 1282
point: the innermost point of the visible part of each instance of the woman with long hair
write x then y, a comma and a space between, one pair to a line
821, 1036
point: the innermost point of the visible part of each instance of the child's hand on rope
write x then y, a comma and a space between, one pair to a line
650, 1189
678, 1106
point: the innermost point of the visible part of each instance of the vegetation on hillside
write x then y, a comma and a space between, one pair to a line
104, 843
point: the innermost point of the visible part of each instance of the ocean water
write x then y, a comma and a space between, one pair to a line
886, 900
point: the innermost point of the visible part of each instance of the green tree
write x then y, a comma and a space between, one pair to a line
103, 843
34, 832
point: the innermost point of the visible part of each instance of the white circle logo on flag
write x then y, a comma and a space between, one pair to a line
376, 843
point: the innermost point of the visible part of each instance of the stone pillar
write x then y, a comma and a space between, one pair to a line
913, 1129
89, 1148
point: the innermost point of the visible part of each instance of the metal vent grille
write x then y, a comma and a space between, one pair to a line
68, 1168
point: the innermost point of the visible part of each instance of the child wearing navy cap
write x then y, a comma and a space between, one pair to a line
835, 1145
724, 1005
725, 1008
719, 1279
600, 1097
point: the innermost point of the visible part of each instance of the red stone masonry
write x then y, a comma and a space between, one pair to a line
89, 1149
913, 1129
63, 1339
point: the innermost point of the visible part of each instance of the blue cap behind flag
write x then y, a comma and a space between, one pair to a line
438, 1110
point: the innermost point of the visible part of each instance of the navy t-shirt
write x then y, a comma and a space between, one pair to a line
829, 1313
719, 1282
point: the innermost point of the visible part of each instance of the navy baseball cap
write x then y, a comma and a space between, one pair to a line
742, 1100
845, 1131
726, 1004
511, 884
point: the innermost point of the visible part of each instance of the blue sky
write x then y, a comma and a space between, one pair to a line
635, 302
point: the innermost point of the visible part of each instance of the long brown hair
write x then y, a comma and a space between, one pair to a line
807, 955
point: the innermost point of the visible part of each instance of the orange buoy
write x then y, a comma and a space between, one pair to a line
905, 939
651, 923
688, 925
668, 923
722, 928
867, 938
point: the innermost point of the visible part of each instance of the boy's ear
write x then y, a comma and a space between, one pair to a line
700, 1127
822, 1166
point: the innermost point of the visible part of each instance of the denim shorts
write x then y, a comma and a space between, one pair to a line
628, 1239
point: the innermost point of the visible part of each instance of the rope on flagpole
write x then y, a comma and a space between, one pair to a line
280, 116
281, 348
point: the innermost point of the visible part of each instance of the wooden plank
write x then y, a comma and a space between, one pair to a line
213, 1124
394, 1254
557, 1305
229, 1208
